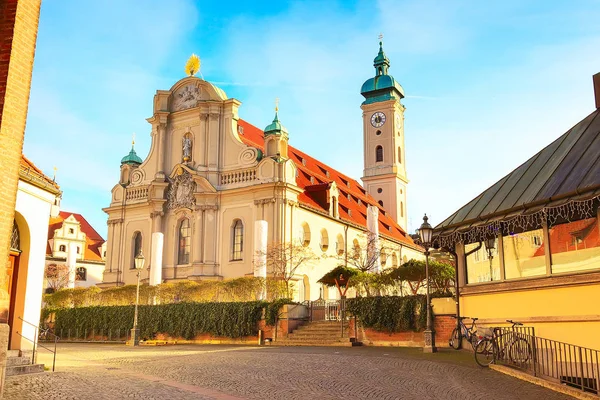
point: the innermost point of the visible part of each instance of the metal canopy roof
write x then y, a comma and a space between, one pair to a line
568, 166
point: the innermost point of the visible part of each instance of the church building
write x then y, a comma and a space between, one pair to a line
193, 204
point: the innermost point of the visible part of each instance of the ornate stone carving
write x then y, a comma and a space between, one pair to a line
187, 97
181, 190
248, 156
114, 221
136, 177
292, 203
264, 201
205, 207
154, 214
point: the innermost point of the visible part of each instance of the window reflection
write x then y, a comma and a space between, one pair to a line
480, 266
524, 254
575, 246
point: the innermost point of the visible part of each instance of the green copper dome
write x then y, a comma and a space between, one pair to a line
132, 158
275, 127
383, 86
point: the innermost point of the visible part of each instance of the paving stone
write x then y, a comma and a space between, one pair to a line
92, 371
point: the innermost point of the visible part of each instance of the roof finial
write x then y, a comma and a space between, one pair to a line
133, 140
54, 177
276, 104
380, 37
192, 66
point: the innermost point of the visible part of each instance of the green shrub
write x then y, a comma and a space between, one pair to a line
186, 319
390, 313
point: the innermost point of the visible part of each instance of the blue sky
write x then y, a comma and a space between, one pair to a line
487, 84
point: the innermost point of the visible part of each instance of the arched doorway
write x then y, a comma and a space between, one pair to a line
12, 274
16, 285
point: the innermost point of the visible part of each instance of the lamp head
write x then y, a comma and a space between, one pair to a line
139, 261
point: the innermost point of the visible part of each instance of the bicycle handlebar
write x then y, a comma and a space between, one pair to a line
514, 322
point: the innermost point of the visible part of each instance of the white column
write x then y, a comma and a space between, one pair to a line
72, 263
261, 229
373, 237
156, 258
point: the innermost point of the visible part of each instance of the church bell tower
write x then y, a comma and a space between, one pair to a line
384, 175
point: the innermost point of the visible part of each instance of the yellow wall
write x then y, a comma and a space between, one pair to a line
567, 314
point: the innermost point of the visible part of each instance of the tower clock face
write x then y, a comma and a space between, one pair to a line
378, 119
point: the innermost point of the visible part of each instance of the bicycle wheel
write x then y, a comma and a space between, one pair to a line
520, 351
484, 352
455, 339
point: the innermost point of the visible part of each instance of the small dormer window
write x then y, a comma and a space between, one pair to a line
71, 230
62, 247
78, 250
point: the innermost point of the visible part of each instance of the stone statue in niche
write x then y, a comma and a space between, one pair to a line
187, 148
181, 191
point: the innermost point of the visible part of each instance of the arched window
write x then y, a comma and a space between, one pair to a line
378, 154
380, 203
324, 240
394, 260
402, 209
137, 247
78, 250
62, 247
399, 155
185, 241
15, 239
237, 236
81, 274
339, 245
305, 234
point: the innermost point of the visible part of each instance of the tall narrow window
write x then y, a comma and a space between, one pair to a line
378, 154
185, 240
237, 231
62, 247
137, 247
305, 234
399, 155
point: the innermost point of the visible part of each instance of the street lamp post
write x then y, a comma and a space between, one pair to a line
426, 233
135, 332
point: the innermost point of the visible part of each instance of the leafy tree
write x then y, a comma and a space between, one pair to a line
367, 253
413, 273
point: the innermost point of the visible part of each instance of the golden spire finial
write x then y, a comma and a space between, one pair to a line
276, 104
380, 37
54, 177
192, 66
133, 139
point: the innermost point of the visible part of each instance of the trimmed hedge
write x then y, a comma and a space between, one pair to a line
390, 313
184, 320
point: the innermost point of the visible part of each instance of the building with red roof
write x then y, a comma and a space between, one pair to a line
215, 189
68, 229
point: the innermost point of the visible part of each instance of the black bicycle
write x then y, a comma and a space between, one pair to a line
503, 344
463, 331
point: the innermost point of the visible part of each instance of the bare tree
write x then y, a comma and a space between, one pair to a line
366, 254
57, 276
284, 260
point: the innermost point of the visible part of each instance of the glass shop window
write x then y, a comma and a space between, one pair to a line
524, 254
575, 246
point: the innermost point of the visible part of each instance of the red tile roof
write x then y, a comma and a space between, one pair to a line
28, 165
315, 177
92, 238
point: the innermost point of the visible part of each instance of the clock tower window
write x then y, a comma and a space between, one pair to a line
379, 154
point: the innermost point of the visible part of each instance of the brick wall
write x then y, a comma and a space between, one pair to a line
443, 326
18, 33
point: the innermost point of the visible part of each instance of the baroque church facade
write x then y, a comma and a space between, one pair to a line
192, 206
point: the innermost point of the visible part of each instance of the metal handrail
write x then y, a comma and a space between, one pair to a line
36, 343
568, 364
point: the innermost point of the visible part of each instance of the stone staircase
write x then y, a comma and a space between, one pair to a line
19, 363
317, 333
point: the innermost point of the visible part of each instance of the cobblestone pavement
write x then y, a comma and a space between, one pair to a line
94, 371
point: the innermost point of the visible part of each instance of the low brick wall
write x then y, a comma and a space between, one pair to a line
443, 326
